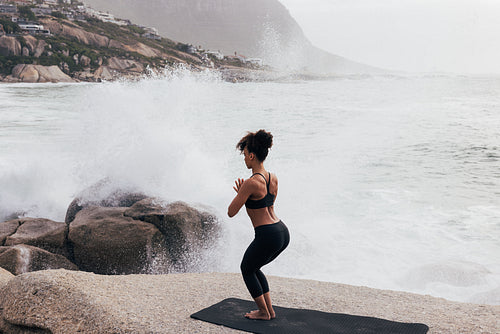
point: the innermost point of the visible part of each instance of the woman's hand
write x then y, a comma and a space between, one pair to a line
238, 183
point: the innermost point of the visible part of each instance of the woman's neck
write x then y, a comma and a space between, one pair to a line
259, 169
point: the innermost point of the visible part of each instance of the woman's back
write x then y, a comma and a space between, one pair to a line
260, 205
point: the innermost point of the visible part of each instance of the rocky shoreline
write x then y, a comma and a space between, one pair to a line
95, 51
120, 263
62, 301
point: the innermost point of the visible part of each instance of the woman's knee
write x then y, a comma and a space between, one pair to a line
245, 270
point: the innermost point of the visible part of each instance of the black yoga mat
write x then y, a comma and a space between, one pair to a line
230, 313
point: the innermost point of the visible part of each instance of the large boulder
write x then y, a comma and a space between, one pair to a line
125, 65
5, 277
25, 73
187, 230
8, 228
40, 232
104, 241
73, 31
39, 73
35, 46
21, 259
104, 194
10, 46
104, 73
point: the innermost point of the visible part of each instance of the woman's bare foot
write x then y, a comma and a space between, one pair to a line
258, 315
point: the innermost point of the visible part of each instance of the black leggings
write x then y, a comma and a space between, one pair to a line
270, 240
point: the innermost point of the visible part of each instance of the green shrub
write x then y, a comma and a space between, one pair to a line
10, 27
59, 15
25, 11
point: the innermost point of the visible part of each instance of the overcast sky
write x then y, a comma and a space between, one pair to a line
460, 36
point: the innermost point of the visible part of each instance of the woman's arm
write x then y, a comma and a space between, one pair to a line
244, 189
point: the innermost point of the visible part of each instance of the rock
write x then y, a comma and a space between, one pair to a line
5, 277
6, 229
56, 301
187, 231
52, 74
106, 242
143, 50
103, 73
39, 73
115, 44
102, 194
68, 29
39, 232
27, 73
9, 46
31, 42
25, 52
64, 66
62, 301
125, 65
40, 48
21, 259
85, 61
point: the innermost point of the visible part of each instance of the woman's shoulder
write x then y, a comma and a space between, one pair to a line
274, 178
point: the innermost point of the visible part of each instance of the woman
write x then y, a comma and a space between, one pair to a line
258, 194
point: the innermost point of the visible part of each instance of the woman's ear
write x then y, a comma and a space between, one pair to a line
251, 156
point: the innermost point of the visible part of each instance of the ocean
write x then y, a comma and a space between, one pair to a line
389, 181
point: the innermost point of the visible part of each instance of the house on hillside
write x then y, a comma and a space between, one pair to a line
216, 54
41, 11
33, 28
151, 33
191, 49
23, 2
8, 8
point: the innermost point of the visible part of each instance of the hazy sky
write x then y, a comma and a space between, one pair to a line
461, 36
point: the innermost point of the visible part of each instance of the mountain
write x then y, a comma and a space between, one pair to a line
257, 28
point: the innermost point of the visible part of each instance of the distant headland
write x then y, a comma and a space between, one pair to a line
67, 41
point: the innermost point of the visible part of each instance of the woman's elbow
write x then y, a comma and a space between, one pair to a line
231, 211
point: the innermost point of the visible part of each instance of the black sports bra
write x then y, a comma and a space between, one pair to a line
264, 202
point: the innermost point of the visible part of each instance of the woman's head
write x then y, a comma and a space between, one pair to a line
257, 143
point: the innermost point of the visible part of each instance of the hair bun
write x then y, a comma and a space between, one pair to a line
264, 138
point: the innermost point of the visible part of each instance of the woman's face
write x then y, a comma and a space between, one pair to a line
248, 158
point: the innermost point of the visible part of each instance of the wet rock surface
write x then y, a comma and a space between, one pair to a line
110, 232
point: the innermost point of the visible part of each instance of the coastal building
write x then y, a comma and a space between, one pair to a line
191, 49
106, 17
216, 54
8, 8
41, 11
23, 2
151, 33
33, 28
56, 2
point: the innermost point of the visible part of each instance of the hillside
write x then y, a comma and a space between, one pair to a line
258, 28
92, 50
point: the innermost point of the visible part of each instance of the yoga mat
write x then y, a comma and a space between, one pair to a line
230, 313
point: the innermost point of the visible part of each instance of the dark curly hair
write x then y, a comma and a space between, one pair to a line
257, 143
